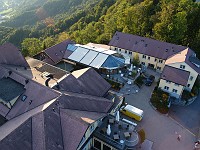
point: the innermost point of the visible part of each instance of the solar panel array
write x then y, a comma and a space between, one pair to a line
91, 57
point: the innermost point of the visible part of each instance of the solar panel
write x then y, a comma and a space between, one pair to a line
99, 60
89, 57
78, 54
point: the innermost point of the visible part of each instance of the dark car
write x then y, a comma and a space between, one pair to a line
149, 80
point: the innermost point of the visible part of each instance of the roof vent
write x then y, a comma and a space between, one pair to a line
166, 50
146, 45
10, 72
56, 54
26, 81
136, 42
142, 40
117, 38
30, 102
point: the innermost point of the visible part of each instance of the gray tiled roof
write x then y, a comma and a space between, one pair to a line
42, 120
8, 52
144, 45
57, 52
60, 126
175, 75
85, 81
91, 82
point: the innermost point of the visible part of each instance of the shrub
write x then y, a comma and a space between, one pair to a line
142, 135
159, 99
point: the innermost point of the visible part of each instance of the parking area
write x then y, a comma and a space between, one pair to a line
162, 130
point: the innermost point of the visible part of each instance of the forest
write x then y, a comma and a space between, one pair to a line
174, 21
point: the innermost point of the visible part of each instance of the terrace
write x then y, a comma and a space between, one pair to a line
123, 135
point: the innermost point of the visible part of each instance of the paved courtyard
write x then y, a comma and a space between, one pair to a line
188, 116
162, 130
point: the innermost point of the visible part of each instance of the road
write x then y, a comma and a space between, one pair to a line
162, 130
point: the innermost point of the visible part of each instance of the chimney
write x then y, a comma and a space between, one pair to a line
108, 130
117, 116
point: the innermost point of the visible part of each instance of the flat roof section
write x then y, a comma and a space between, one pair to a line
10, 89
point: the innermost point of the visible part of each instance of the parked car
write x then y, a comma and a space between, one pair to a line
132, 112
150, 80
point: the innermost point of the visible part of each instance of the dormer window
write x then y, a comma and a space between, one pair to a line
23, 98
144, 56
191, 78
182, 66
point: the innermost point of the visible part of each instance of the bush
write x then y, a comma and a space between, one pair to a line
139, 81
115, 85
159, 99
142, 135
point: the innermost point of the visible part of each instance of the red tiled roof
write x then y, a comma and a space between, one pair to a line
145, 46
175, 75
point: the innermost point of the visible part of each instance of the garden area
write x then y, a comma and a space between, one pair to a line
140, 81
115, 84
159, 99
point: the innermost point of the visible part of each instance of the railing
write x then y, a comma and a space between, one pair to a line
108, 140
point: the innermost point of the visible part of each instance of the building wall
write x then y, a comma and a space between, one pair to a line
193, 73
158, 64
102, 143
171, 86
87, 135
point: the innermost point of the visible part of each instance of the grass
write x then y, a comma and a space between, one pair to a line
159, 100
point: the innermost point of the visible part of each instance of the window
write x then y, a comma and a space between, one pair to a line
23, 98
144, 56
105, 147
97, 144
176, 84
182, 66
148, 58
91, 128
143, 63
130, 53
125, 51
167, 81
155, 60
191, 78
166, 88
174, 91
159, 68
160, 61
115, 48
188, 85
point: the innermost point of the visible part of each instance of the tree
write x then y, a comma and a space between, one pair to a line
136, 60
31, 46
